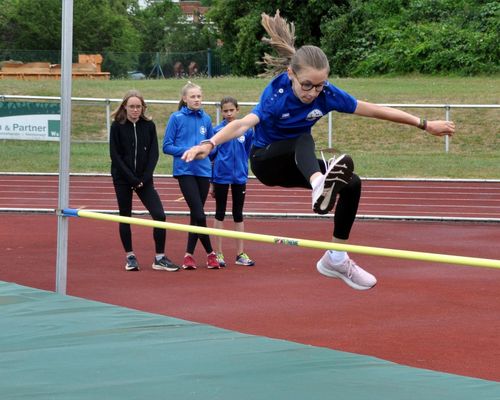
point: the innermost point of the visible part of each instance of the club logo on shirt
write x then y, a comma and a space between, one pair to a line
285, 116
314, 114
203, 130
241, 139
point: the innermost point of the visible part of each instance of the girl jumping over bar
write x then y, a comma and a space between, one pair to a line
283, 152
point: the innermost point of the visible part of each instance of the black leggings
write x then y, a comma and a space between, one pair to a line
290, 163
238, 194
195, 192
149, 197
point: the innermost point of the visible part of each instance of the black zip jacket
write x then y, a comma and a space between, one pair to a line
134, 152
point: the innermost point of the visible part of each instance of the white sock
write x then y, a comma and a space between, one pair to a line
159, 256
337, 257
130, 253
316, 181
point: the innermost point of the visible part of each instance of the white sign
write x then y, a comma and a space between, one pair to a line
29, 121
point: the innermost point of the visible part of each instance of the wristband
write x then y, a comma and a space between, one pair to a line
210, 141
422, 124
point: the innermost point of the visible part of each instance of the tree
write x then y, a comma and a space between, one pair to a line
404, 36
167, 37
239, 27
34, 25
154, 22
98, 27
360, 37
367, 37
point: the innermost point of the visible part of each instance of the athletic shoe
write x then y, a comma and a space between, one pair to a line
132, 264
164, 264
212, 262
352, 274
189, 262
243, 259
338, 174
220, 259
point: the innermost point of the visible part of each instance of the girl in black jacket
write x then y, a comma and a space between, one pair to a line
133, 149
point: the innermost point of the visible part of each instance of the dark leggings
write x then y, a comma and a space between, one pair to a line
149, 197
238, 194
195, 192
290, 163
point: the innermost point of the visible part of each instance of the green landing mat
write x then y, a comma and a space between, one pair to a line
62, 347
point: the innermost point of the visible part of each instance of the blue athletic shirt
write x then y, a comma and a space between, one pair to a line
230, 159
187, 128
283, 116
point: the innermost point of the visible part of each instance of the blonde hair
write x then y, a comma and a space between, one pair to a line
188, 86
282, 39
120, 114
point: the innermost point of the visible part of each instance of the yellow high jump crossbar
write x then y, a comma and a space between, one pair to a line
314, 244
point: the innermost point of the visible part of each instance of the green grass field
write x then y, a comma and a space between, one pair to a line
380, 149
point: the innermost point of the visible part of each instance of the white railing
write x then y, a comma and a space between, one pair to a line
107, 103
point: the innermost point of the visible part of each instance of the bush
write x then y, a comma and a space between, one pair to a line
425, 36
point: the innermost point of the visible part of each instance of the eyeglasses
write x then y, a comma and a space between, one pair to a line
134, 107
308, 86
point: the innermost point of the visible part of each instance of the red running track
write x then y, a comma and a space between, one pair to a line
428, 315
380, 198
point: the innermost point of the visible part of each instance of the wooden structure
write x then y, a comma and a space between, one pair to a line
88, 67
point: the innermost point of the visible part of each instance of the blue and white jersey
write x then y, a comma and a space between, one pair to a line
230, 159
283, 116
187, 128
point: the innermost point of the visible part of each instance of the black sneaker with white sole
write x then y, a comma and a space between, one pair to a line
164, 264
132, 264
338, 174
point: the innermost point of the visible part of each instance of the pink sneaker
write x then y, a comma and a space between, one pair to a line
351, 273
189, 262
212, 262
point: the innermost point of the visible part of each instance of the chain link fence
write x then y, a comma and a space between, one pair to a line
156, 65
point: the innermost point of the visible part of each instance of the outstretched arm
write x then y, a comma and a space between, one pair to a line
234, 129
436, 128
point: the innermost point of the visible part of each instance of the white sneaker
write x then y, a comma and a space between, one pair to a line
338, 174
351, 273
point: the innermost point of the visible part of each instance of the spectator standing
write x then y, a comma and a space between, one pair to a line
187, 127
134, 154
230, 169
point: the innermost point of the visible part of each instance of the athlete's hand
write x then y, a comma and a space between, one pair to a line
198, 152
440, 128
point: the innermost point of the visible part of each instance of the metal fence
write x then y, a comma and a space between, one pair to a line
107, 106
147, 64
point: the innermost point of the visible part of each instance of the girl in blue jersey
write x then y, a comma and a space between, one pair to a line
230, 168
283, 153
133, 147
186, 128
